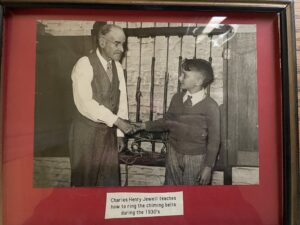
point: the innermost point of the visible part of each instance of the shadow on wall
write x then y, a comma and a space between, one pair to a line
54, 105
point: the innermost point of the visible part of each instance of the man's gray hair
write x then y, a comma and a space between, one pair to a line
107, 28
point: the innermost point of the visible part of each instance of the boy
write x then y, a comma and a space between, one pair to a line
193, 120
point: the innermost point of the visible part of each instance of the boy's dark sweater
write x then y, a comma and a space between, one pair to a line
189, 127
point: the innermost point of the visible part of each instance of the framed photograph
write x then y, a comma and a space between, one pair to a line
149, 112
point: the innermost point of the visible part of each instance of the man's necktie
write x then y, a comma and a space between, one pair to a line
188, 102
109, 70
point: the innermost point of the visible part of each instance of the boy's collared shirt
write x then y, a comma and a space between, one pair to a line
196, 97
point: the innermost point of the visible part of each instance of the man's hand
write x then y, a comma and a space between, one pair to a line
205, 176
139, 127
125, 126
121, 144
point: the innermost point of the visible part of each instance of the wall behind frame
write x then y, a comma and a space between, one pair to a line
297, 21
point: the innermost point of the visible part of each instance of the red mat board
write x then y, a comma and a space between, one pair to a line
23, 204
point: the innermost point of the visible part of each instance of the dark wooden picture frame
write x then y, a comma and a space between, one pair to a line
285, 12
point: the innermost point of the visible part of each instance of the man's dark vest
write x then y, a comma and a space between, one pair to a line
105, 92
93, 146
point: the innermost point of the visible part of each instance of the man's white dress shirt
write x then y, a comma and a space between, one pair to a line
82, 76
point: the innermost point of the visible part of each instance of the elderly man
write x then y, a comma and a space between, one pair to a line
97, 131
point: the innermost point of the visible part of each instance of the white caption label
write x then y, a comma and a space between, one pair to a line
129, 204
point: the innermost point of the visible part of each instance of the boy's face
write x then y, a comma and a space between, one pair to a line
191, 80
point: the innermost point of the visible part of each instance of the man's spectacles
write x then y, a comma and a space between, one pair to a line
117, 44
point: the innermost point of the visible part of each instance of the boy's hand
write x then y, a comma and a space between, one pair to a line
139, 126
205, 176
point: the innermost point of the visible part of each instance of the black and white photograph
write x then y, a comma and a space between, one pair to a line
122, 103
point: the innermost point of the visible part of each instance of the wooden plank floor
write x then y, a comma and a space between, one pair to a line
55, 172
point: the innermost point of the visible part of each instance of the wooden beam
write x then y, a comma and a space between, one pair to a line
174, 31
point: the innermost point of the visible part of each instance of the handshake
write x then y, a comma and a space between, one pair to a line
129, 128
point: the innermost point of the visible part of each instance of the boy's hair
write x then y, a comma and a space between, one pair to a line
202, 66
